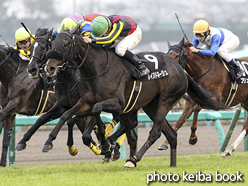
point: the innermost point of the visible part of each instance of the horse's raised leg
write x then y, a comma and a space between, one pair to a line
87, 139
80, 108
193, 136
7, 126
110, 105
55, 112
187, 111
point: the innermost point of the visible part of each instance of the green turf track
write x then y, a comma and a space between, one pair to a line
115, 174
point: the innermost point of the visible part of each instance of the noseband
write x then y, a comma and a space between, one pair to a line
44, 58
182, 56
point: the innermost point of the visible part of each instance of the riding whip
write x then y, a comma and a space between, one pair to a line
181, 26
27, 29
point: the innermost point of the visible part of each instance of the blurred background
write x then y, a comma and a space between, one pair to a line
155, 17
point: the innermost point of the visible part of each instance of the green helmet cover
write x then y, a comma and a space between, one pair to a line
100, 26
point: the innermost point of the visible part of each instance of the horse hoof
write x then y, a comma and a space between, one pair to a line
20, 146
163, 147
226, 154
106, 148
106, 159
193, 141
73, 150
47, 148
115, 156
129, 164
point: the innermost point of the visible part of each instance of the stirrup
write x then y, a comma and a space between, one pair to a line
239, 74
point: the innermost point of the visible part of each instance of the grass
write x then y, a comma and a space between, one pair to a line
114, 173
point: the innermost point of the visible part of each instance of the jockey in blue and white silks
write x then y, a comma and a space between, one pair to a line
216, 40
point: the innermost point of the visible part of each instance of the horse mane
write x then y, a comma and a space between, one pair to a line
41, 31
188, 44
4, 48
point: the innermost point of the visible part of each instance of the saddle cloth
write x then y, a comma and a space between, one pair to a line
152, 62
244, 66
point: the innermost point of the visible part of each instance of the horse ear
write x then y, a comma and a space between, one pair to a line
50, 31
73, 30
181, 42
62, 28
168, 43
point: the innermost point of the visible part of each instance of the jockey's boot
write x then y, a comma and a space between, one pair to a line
143, 70
238, 71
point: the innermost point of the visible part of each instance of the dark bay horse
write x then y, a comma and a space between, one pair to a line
105, 85
18, 94
211, 74
67, 95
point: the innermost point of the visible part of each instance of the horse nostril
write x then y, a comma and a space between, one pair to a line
51, 69
33, 71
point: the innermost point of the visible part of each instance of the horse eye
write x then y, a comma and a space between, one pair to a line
65, 44
177, 56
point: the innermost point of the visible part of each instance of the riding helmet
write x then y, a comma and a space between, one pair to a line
100, 26
200, 26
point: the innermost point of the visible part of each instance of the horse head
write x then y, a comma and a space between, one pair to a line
178, 52
38, 49
63, 51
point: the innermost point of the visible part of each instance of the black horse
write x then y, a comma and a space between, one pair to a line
105, 85
19, 94
67, 95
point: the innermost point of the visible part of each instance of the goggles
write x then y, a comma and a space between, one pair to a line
200, 34
24, 42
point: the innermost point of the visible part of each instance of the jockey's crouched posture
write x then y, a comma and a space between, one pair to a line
121, 31
216, 40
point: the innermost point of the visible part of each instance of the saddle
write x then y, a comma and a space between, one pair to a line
230, 69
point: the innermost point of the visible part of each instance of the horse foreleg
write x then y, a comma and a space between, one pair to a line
187, 111
81, 109
87, 139
233, 147
110, 105
7, 125
73, 150
193, 136
55, 112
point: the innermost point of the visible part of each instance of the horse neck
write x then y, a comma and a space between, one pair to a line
95, 61
9, 68
195, 65
69, 76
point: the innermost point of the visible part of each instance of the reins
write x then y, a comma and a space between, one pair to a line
185, 57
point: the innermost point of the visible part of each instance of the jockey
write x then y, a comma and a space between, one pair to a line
70, 22
88, 17
216, 40
121, 31
23, 42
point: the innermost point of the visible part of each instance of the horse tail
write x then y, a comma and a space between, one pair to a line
202, 97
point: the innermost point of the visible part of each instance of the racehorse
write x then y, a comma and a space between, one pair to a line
67, 96
19, 94
106, 85
211, 74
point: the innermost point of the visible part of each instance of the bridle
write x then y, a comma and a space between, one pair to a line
70, 54
44, 58
183, 57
